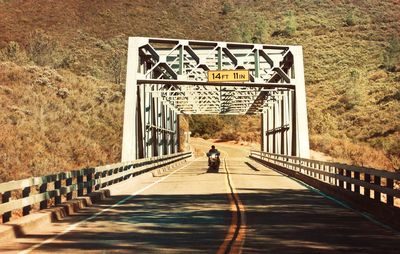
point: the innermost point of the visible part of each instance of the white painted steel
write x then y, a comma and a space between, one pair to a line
171, 73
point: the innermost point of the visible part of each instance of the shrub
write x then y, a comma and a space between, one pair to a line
380, 74
13, 52
392, 54
228, 136
349, 20
320, 122
291, 25
41, 48
116, 63
345, 151
226, 8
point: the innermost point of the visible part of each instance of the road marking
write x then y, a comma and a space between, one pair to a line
234, 240
75, 225
343, 204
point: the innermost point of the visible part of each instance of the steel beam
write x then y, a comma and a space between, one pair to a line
129, 140
167, 77
301, 107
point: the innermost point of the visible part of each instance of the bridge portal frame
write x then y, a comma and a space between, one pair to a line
168, 77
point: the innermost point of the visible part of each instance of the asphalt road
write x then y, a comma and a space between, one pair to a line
241, 208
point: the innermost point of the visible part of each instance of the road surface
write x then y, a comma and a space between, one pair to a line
243, 207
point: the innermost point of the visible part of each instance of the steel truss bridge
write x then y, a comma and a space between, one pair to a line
159, 200
168, 77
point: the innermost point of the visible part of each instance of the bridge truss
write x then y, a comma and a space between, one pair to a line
168, 77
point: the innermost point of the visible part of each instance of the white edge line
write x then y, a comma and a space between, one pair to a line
341, 203
73, 226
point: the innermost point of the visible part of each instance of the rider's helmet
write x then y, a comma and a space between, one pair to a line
213, 147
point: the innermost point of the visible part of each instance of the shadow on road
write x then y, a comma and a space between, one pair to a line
278, 221
214, 169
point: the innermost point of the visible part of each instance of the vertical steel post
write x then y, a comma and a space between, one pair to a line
264, 119
129, 140
173, 134
301, 107
177, 144
219, 58
270, 127
153, 111
293, 126
289, 122
169, 127
180, 71
274, 125
160, 120
164, 126
283, 123
257, 63
148, 121
140, 123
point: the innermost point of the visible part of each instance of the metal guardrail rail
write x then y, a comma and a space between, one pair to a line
63, 186
367, 182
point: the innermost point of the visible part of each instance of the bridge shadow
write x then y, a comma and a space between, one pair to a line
251, 166
278, 221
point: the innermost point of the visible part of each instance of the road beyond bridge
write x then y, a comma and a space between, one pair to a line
245, 207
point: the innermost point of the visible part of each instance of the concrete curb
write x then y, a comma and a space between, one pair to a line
31, 222
22, 226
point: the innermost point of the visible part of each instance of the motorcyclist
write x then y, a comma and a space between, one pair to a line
212, 151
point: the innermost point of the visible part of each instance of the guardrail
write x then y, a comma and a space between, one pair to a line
367, 182
56, 188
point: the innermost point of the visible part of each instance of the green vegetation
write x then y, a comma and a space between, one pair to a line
350, 19
226, 127
291, 25
392, 55
226, 8
61, 64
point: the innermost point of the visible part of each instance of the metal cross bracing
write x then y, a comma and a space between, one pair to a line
168, 77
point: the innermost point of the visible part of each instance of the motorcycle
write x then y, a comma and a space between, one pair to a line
213, 160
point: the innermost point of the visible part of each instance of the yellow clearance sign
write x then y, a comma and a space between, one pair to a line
228, 76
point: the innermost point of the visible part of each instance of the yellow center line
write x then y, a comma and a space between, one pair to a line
235, 237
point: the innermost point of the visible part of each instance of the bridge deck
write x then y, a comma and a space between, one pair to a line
190, 210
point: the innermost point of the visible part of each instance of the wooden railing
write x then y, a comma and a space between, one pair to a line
367, 182
54, 189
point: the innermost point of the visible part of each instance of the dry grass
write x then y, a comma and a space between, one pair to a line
69, 114
56, 121
347, 152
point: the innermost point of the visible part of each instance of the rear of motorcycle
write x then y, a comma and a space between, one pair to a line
214, 161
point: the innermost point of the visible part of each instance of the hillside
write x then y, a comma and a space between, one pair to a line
60, 60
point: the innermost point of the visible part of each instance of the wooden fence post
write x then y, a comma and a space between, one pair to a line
57, 186
367, 191
340, 172
89, 178
80, 182
377, 194
356, 186
25, 193
4, 199
43, 189
68, 182
390, 185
